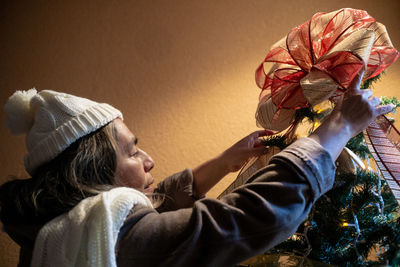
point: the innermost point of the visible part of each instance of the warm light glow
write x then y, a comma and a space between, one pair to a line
295, 237
345, 224
319, 108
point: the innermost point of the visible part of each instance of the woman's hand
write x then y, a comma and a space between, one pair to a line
237, 155
358, 108
210, 172
353, 113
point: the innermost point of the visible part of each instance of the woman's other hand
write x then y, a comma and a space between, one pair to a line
250, 146
212, 171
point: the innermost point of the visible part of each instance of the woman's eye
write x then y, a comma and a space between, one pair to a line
135, 154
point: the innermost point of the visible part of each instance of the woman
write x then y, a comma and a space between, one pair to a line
85, 203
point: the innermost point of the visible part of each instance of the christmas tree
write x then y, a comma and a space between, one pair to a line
357, 222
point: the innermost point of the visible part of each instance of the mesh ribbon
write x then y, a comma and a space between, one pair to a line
317, 61
383, 140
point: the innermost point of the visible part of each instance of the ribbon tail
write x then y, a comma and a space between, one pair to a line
383, 141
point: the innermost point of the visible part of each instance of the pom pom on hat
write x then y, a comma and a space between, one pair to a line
19, 112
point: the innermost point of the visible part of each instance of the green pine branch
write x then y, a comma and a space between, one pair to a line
276, 140
358, 146
367, 83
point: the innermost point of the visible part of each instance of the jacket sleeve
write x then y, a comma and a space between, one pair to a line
176, 192
249, 221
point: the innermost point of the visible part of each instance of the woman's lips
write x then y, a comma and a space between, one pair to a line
149, 189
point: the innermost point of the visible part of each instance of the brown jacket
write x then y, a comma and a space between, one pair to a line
249, 221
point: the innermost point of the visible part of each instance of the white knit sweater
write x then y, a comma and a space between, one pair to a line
87, 235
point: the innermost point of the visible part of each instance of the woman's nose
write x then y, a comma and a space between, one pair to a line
148, 162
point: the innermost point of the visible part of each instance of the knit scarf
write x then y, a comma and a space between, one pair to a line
87, 235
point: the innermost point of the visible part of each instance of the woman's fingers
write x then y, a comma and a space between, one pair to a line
353, 89
367, 93
374, 101
380, 110
258, 143
261, 133
253, 138
354, 86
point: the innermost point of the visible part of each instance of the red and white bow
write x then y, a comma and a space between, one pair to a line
317, 61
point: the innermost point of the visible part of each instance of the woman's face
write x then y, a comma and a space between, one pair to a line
133, 164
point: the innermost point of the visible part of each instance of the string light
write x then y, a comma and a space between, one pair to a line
295, 237
381, 204
346, 224
317, 108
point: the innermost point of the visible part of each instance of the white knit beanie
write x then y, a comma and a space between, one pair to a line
52, 121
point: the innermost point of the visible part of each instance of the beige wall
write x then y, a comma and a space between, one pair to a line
181, 71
